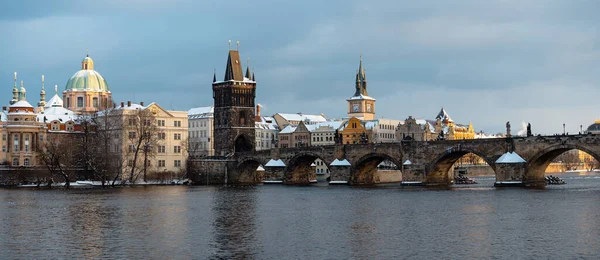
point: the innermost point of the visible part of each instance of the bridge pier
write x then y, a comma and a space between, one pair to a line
510, 174
339, 172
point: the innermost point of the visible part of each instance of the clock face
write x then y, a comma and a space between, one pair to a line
355, 108
368, 107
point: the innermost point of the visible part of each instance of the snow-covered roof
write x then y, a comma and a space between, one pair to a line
303, 117
3, 116
407, 162
267, 123
22, 103
275, 163
510, 157
337, 162
201, 111
56, 113
260, 169
325, 126
360, 97
55, 101
288, 129
443, 115
133, 106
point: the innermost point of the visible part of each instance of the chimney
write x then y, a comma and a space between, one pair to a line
128, 103
141, 103
114, 105
257, 116
122, 104
3, 108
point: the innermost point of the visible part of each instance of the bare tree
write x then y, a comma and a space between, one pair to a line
105, 145
142, 131
569, 159
58, 154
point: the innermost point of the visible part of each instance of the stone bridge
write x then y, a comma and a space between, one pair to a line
430, 161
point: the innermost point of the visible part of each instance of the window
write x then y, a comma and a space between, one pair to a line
177, 163
79, 101
41, 137
161, 149
177, 149
177, 123
3, 137
132, 135
66, 105
131, 148
26, 162
15, 162
161, 136
16, 143
132, 121
4, 148
161, 122
161, 163
130, 163
177, 136
95, 102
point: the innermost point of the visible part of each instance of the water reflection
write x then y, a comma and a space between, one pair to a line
234, 226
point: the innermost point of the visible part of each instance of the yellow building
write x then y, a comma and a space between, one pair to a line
354, 132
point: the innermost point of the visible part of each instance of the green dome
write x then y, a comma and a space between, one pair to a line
87, 80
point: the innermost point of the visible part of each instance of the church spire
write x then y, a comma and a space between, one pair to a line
15, 92
361, 80
22, 92
42, 102
215, 76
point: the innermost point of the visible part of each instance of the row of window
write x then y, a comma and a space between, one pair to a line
160, 148
80, 102
159, 122
26, 162
202, 133
161, 163
200, 123
161, 136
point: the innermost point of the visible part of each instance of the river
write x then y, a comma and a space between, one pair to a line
315, 222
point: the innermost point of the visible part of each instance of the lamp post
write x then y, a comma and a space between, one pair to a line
580, 129
564, 129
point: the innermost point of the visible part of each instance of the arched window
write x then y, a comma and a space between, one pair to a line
25, 162
15, 162
79, 101
95, 102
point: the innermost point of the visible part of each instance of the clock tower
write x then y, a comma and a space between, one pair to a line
361, 105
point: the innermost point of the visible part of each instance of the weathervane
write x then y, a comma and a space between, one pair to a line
238, 45
229, 44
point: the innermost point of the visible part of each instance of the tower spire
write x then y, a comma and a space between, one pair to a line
361, 80
55, 89
215, 75
22, 92
15, 92
248, 69
42, 102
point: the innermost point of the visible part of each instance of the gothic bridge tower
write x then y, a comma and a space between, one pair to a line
234, 108
361, 105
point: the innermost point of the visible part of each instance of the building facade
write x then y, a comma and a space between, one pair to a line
200, 140
234, 108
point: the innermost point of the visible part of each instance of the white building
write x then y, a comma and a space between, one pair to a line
200, 140
266, 132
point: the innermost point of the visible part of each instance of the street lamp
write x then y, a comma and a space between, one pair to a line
564, 131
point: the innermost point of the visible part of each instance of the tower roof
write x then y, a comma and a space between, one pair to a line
443, 115
233, 71
361, 81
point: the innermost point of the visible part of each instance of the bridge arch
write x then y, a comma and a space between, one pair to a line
247, 171
364, 169
438, 170
243, 143
300, 170
537, 164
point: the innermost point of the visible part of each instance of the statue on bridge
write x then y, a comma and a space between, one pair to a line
508, 129
441, 135
529, 129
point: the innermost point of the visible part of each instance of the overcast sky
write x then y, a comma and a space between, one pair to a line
486, 62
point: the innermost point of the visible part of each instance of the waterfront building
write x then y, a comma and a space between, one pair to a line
361, 105
87, 91
167, 146
234, 128
442, 127
200, 140
324, 133
354, 131
266, 130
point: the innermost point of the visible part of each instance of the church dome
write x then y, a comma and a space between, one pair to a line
87, 78
594, 128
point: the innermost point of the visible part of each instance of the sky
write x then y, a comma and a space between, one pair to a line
485, 62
